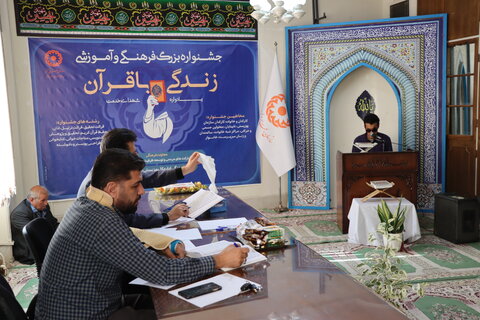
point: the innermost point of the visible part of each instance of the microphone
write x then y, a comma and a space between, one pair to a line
378, 139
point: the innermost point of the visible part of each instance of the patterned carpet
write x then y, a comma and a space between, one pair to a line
308, 226
24, 282
452, 272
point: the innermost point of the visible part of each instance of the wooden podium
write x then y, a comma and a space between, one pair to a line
355, 170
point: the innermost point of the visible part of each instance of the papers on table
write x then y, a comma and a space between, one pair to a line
141, 282
381, 184
186, 234
230, 287
188, 245
177, 222
221, 223
217, 247
201, 201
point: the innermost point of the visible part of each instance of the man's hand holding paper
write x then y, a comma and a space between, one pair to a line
179, 210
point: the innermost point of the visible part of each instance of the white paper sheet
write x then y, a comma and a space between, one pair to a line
217, 247
230, 287
188, 245
187, 234
201, 201
141, 282
177, 222
226, 223
208, 164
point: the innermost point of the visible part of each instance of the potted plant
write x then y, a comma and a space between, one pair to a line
391, 225
384, 275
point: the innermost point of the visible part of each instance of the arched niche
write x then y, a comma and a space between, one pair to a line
342, 117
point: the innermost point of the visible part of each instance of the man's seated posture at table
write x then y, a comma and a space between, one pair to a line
34, 206
93, 247
125, 139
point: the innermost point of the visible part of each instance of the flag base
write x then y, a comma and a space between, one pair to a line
280, 208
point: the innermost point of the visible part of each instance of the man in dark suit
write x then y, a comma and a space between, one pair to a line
124, 138
371, 122
34, 206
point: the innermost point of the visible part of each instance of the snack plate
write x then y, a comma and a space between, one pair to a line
180, 188
259, 237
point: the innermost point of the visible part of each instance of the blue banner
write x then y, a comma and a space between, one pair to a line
177, 96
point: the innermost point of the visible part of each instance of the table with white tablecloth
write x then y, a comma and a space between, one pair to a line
364, 220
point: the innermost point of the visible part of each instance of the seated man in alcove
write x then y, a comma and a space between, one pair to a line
371, 123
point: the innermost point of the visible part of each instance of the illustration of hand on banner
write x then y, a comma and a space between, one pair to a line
156, 127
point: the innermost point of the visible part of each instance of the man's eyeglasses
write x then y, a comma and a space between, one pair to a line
371, 130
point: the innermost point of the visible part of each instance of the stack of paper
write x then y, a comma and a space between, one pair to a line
186, 234
217, 247
231, 223
201, 201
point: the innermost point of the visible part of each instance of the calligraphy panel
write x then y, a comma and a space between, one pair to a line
178, 96
136, 18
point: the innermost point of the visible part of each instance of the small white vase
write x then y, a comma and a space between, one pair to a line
393, 240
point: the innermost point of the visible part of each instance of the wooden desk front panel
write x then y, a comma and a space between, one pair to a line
354, 170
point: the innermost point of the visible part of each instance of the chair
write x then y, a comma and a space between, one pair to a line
10, 309
38, 234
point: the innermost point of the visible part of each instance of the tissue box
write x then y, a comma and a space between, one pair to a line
219, 207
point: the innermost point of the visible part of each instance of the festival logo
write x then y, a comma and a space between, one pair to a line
53, 58
277, 112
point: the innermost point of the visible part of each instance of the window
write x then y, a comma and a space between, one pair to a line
460, 88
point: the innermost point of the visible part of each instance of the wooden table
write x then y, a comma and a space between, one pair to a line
297, 284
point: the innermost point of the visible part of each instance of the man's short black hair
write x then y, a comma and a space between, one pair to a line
117, 138
114, 165
371, 118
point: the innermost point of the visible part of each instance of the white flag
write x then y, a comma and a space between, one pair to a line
273, 130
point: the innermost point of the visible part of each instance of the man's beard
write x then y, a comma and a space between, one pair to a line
128, 207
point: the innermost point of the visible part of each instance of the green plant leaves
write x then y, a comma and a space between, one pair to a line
390, 222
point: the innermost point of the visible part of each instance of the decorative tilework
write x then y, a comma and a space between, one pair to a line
309, 194
407, 51
426, 194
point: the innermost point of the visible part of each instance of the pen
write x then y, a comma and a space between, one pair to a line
236, 245
219, 228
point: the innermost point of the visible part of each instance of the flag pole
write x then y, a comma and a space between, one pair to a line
280, 207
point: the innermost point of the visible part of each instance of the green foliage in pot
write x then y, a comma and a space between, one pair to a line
390, 222
383, 274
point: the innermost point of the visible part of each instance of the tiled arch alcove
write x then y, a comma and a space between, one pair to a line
408, 53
